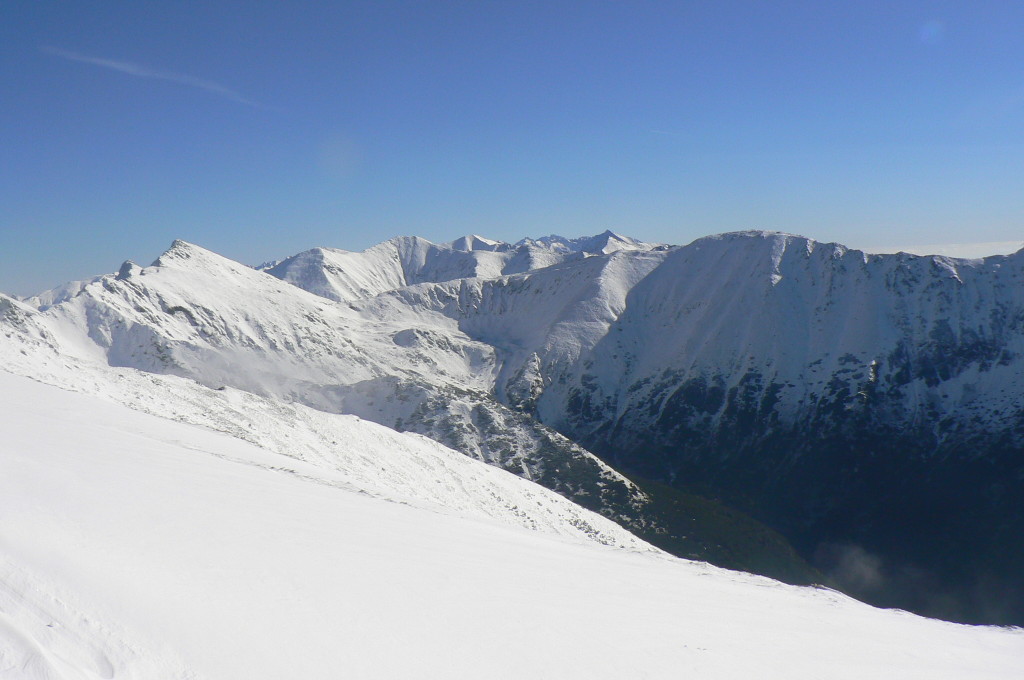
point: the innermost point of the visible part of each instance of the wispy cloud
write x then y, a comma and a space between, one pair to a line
141, 71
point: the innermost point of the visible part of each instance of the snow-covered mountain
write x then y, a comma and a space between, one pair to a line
862, 403
867, 405
603, 244
244, 534
136, 547
343, 275
197, 315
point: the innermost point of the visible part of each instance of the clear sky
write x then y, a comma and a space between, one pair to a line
259, 129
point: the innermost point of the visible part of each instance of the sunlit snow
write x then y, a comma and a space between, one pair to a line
136, 547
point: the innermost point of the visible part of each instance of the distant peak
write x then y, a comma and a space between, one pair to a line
474, 242
771, 243
754, 233
179, 250
188, 255
600, 244
754, 236
960, 251
127, 270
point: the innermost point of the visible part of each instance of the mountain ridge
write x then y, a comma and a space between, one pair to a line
835, 394
743, 363
197, 315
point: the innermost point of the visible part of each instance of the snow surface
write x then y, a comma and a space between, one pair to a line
138, 547
414, 470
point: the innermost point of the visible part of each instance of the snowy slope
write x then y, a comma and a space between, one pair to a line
195, 314
359, 454
138, 548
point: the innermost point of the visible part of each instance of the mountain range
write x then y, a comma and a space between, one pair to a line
757, 399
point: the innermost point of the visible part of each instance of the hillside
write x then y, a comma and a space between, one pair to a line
137, 548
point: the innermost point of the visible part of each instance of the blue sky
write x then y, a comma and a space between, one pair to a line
258, 129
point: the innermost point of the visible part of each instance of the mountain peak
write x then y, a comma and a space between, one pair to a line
179, 250
600, 244
185, 255
608, 234
473, 242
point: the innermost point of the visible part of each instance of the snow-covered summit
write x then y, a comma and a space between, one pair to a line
474, 242
404, 261
603, 243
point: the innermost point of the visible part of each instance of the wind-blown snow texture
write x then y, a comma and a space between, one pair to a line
867, 405
136, 548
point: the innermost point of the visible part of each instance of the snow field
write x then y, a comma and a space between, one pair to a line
161, 550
